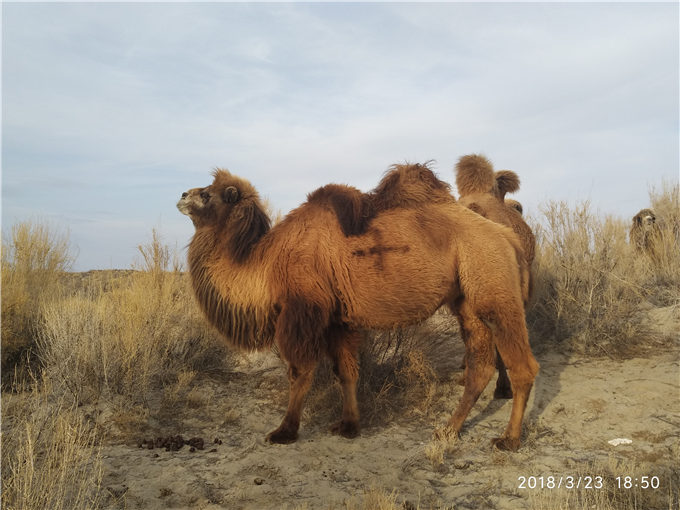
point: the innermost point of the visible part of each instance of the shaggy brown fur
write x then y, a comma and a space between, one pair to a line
409, 185
507, 181
402, 186
483, 191
308, 287
349, 204
645, 233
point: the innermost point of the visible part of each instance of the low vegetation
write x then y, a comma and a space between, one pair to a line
129, 340
35, 258
592, 286
135, 340
50, 453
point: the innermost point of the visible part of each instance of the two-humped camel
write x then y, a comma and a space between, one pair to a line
483, 191
345, 261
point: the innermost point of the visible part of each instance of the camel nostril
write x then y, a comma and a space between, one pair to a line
185, 194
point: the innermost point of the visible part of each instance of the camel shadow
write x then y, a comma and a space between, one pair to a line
548, 384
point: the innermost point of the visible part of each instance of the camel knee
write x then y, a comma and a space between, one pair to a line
522, 377
527, 369
346, 368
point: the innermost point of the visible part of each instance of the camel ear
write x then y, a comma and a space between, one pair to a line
230, 195
475, 207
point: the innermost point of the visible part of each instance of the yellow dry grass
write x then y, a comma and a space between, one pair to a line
616, 485
128, 338
50, 453
138, 337
591, 286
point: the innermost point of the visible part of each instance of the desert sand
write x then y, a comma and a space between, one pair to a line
577, 406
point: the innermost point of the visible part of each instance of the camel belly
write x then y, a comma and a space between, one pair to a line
396, 279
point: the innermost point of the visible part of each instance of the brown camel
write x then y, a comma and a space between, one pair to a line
344, 261
645, 233
483, 191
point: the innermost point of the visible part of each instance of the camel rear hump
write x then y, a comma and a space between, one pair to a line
409, 185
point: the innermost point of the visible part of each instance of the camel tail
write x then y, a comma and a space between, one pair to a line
474, 174
512, 339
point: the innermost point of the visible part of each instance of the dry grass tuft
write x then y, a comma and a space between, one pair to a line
34, 259
51, 458
436, 450
591, 287
375, 498
131, 337
621, 488
134, 339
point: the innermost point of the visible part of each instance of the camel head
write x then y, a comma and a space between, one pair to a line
231, 208
644, 219
514, 204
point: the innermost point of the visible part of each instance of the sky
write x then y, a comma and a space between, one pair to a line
111, 110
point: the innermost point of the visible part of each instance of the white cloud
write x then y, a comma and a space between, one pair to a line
133, 103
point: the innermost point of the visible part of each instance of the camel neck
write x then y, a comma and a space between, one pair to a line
229, 294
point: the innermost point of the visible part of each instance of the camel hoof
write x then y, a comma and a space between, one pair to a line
506, 444
282, 436
347, 429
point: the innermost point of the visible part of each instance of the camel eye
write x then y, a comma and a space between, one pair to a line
205, 196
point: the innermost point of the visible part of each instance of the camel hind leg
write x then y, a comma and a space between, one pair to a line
480, 367
512, 342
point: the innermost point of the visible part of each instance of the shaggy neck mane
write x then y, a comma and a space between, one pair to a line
215, 253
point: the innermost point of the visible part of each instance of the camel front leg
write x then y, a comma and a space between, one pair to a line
300, 379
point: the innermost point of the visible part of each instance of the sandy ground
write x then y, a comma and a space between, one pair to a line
577, 406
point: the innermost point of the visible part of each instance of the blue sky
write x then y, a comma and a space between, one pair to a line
110, 111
